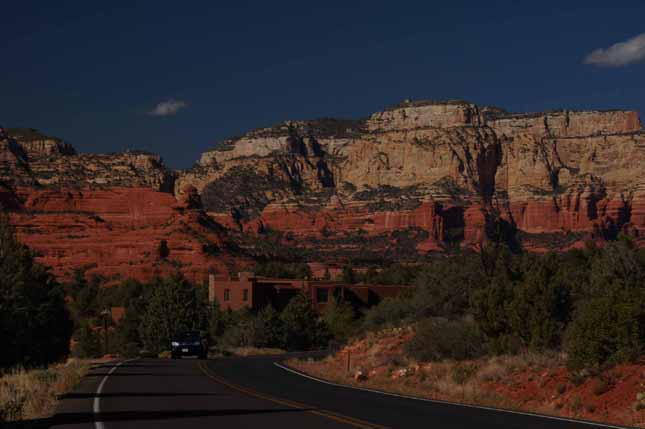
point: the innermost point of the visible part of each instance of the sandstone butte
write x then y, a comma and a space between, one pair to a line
418, 177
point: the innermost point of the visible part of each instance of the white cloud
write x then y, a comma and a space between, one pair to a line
620, 54
168, 108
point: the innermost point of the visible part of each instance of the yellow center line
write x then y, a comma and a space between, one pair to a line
300, 406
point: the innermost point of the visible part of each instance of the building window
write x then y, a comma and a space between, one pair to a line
227, 294
245, 295
322, 295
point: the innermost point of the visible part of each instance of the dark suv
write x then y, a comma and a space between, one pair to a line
189, 344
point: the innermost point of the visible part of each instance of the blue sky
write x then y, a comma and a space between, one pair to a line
94, 73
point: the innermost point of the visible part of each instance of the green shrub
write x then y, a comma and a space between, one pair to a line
462, 372
267, 328
239, 329
88, 343
437, 339
540, 307
283, 270
339, 318
609, 322
302, 327
605, 330
388, 313
444, 287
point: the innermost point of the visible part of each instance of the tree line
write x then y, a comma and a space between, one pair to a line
159, 309
588, 303
35, 325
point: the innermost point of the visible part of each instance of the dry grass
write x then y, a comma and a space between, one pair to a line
254, 351
166, 354
461, 382
215, 352
527, 382
494, 371
26, 395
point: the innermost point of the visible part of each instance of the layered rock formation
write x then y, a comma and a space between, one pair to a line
453, 173
415, 178
106, 214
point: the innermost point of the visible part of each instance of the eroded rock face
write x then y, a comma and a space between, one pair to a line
447, 168
419, 177
106, 214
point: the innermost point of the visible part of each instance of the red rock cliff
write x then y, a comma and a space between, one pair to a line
417, 177
106, 213
445, 170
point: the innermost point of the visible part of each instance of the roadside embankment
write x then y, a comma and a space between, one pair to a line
528, 382
33, 394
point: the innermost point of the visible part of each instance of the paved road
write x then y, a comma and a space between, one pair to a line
253, 392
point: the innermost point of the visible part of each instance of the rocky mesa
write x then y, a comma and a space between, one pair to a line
424, 176
419, 177
105, 213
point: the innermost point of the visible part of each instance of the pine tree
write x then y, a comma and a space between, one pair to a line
36, 326
539, 310
302, 328
349, 276
174, 306
339, 318
609, 322
267, 328
88, 343
217, 321
164, 251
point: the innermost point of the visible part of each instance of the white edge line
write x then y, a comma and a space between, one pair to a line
457, 404
96, 408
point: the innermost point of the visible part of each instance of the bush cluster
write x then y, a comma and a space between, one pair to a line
162, 308
589, 303
297, 327
283, 270
154, 312
438, 339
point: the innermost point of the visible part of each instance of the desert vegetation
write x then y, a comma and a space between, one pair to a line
588, 303
162, 308
36, 328
36, 324
30, 394
486, 327
470, 320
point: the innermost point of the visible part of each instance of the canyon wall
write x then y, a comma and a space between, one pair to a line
105, 213
451, 172
419, 177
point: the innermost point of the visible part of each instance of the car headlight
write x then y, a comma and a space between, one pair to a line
174, 344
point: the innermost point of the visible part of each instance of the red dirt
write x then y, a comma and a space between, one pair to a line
530, 383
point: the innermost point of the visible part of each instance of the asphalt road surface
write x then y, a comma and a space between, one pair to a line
254, 392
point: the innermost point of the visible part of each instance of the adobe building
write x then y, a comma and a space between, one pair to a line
257, 292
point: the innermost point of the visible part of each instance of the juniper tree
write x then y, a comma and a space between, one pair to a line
35, 326
302, 327
174, 306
